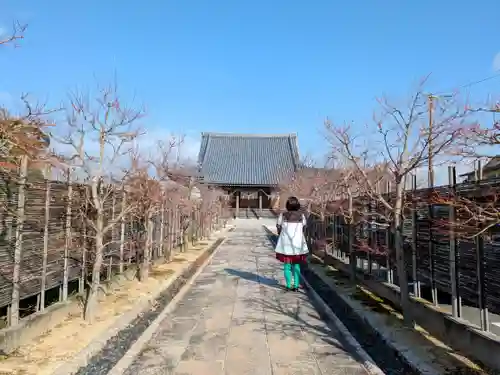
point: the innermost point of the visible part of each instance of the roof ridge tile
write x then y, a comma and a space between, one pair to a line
249, 135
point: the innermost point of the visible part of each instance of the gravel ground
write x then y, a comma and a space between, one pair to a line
116, 347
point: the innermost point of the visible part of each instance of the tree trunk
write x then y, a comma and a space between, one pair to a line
18, 246
93, 291
185, 240
146, 260
400, 256
185, 227
170, 235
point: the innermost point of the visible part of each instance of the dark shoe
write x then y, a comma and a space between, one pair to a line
295, 289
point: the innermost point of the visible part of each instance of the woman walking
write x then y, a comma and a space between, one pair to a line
291, 248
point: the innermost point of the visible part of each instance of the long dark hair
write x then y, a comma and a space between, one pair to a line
293, 213
292, 204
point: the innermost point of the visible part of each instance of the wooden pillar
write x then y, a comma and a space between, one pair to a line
456, 303
41, 306
122, 230
237, 204
260, 201
67, 237
13, 315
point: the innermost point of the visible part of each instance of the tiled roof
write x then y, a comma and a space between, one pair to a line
247, 159
492, 165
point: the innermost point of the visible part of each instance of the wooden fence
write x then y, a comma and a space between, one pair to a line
442, 264
45, 245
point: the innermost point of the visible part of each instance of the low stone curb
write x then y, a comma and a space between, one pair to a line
368, 362
170, 288
403, 353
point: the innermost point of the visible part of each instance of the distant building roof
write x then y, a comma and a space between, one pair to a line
491, 165
247, 159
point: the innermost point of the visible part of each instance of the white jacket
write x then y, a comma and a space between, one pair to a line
291, 240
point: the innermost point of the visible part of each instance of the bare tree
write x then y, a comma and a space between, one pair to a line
16, 34
23, 150
185, 176
180, 179
212, 200
483, 138
404, 143
100, 131
152, 188
477, 209
145, 192
26, 134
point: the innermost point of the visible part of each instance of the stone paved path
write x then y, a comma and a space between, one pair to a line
237, 320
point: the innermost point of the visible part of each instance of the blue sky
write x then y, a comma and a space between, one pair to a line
251, 66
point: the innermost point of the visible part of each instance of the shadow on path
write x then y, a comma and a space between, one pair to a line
254, 277
298, 323
273, 238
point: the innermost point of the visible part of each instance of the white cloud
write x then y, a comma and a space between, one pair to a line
496, 62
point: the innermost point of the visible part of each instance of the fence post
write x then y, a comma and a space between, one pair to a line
352, 255
175, 220
10, 220
113, 228
169, 235
162, 229
390, 273
67, 239
370, 239
480, 275
192, 227
200, 223
83, 276
219, 214
414, 233
122, 230
430, 213
237, 204
456, 303
201, 226
43, 280
373, 233
18, 247
131, 240
480, 271
334, 228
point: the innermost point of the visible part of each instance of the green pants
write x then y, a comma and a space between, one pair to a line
288, 267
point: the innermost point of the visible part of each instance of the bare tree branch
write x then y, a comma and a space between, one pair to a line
15, 35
